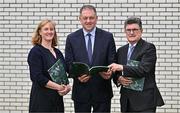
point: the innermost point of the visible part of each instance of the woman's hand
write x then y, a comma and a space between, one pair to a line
63, 91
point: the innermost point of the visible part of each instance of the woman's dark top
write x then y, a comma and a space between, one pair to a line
43, 99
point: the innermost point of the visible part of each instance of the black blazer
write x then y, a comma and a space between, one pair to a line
43, 99
150, 96
96, 89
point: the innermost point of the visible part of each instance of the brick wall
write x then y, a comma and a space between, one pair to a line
18, 19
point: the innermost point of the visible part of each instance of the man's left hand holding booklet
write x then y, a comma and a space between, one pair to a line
58, 73
79, 69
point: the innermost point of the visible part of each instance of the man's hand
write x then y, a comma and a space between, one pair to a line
125, 81
116, 67
106, 75
84, 78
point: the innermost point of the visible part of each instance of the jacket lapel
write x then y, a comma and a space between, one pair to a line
82, 46
124, 54
97, 41
137, 49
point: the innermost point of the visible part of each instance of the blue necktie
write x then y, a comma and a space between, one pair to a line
89, 48
131, 48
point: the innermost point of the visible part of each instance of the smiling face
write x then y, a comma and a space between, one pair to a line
88, 19
47, 32
133, 33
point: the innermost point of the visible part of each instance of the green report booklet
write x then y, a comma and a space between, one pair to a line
79, 68
58, 73
138, 83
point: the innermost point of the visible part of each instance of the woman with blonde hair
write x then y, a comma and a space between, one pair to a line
46, 95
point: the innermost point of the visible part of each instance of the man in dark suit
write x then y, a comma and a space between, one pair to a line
91, 92
144, 53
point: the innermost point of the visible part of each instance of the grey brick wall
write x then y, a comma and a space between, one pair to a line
18, 19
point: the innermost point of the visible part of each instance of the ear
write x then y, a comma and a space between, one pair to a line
39, 32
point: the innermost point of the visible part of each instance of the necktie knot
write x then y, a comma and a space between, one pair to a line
89, 35
131, 47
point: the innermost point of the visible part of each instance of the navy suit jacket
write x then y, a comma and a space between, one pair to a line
96, 89
150, 96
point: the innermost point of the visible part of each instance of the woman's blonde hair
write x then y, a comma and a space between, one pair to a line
37, 39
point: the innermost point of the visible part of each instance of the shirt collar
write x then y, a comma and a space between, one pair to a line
132, 45
92, 32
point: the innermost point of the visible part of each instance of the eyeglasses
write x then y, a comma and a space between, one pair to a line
90, 18
133, 30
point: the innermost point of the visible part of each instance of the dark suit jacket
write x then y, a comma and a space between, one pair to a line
150, 96
96, 89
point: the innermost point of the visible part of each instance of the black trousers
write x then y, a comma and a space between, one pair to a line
98, 107
127, 108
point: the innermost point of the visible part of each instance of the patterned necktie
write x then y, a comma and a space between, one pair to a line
89, 47
131, 48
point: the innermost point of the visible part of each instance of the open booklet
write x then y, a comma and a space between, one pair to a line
138, 83
58, 73
79, 68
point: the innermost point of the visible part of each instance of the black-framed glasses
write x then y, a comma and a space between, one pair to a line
132, 30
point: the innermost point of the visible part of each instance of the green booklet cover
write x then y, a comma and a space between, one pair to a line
138, 83
79, 68
58, 73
